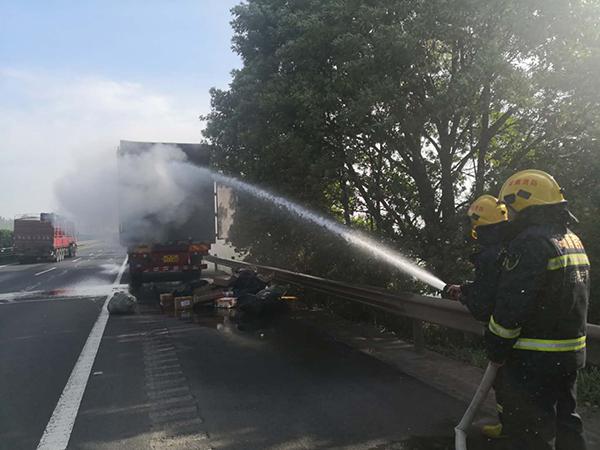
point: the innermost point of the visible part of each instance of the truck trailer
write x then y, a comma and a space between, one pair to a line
159, 248
44, 237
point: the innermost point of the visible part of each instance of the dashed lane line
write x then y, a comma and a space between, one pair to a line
44, 271
58, 430
75, 260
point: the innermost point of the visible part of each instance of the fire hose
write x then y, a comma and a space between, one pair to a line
460, 431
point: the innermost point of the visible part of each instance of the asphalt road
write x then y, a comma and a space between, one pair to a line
162, 382
44, 323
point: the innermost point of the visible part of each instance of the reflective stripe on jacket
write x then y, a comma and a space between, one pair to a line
542, 299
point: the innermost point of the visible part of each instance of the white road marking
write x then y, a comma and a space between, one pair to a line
44, 271
75, 260
3, 266
58, 430
33, 286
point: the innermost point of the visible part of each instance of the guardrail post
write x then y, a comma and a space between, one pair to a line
418, 336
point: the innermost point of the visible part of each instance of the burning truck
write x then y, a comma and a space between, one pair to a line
167, 231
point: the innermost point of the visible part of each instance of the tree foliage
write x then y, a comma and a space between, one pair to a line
392, 115
6, 238
6, 224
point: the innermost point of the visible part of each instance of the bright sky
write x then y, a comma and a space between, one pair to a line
78, 76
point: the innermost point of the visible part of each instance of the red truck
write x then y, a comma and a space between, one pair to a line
160, 249
47, 237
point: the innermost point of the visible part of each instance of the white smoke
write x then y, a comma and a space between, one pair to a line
146, 193
157, 192
88, 196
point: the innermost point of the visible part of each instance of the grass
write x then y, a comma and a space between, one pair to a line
588, 386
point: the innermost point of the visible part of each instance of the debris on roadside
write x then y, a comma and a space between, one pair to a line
184, 303
226, 302
247, 281
245, 293
167, 302
121, 303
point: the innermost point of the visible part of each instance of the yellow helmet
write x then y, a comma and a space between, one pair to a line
530, 187
486, 210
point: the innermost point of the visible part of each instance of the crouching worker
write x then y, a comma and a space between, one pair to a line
491, 230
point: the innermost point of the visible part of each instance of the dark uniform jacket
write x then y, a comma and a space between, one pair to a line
541, 306
479, 295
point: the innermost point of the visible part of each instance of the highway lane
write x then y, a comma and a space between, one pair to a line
44, 322
197, 382
96, 263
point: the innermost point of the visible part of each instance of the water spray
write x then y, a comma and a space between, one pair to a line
397, 260
351, 236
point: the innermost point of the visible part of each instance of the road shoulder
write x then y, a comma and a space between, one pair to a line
445, 374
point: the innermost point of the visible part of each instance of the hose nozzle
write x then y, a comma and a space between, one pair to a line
446, 292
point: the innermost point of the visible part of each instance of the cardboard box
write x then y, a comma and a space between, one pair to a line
226, 302
183, 303
167, 301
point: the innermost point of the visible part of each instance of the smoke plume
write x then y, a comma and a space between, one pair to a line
150, 195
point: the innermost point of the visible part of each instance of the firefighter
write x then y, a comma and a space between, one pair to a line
537, 331
491, 230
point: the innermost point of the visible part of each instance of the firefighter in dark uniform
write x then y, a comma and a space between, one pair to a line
491, 230
538, 328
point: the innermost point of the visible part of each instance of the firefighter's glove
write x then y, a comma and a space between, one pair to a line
452, 292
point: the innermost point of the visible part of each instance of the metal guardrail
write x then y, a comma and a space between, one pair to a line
419, 308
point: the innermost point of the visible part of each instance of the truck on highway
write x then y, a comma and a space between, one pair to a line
43, 237
164, 242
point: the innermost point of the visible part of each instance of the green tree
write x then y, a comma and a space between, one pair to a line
6, 224
6, 238
392, 115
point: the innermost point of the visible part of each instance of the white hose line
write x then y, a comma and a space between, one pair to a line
460, 431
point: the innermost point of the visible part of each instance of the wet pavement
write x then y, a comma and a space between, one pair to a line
204, 381
265, 384
44, 321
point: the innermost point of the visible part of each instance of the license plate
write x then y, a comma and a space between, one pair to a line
170, 259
